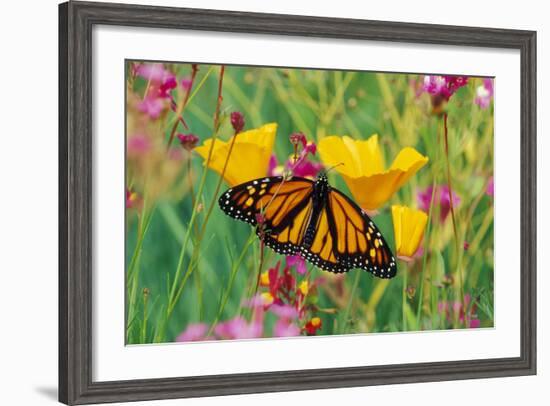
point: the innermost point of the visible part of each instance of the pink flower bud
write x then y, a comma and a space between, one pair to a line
237, 121
260, 219
188, 141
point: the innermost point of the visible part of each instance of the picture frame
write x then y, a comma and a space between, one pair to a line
76, 148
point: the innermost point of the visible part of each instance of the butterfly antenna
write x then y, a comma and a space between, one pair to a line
334, 166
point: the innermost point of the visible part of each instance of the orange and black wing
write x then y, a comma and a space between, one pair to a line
284, 205
358, 243
321, 252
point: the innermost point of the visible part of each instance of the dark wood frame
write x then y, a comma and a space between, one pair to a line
76, 20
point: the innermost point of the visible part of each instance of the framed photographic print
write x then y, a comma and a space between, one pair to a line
259, 202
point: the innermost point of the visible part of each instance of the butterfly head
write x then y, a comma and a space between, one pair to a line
321, 184
322, 177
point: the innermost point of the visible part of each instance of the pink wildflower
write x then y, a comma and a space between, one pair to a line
441, 198
285, 328
484, 93
490, 191
151, 106
239, 328
284, 311
137, 145
451, 310
444, 86
193, 332
298, 138
297, 262
274, 169
153, 72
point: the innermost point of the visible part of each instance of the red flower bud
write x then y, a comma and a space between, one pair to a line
260, 219
188, 141
237, 121
313, 325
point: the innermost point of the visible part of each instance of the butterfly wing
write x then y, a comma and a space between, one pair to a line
286, 236
321, 251
285, 205
358, 242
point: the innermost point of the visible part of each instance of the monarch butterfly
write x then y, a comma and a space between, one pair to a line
299, 216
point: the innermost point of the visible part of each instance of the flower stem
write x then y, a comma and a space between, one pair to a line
132, 273
185, 101
347, 310
219, 100
405, 272
260, 266
449, 180
425, 256
451, 205
144, 324
198, 280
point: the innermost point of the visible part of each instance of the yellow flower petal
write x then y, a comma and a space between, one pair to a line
304, 287
408, 226
264, 278
363, 168
263, 136
249, 158
409, 159
267, 298
357, 156
333, 151
367, 154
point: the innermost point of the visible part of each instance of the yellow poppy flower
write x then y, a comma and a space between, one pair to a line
363, 168
249, 158
408, 227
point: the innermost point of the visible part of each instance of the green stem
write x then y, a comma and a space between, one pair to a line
143, 226
347, 310
451, 205
260, 266
405, 272
425, 256
144, 324
198, 280
234, 270
132, 273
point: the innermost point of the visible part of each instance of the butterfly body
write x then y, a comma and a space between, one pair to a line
311, 219
321, 189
